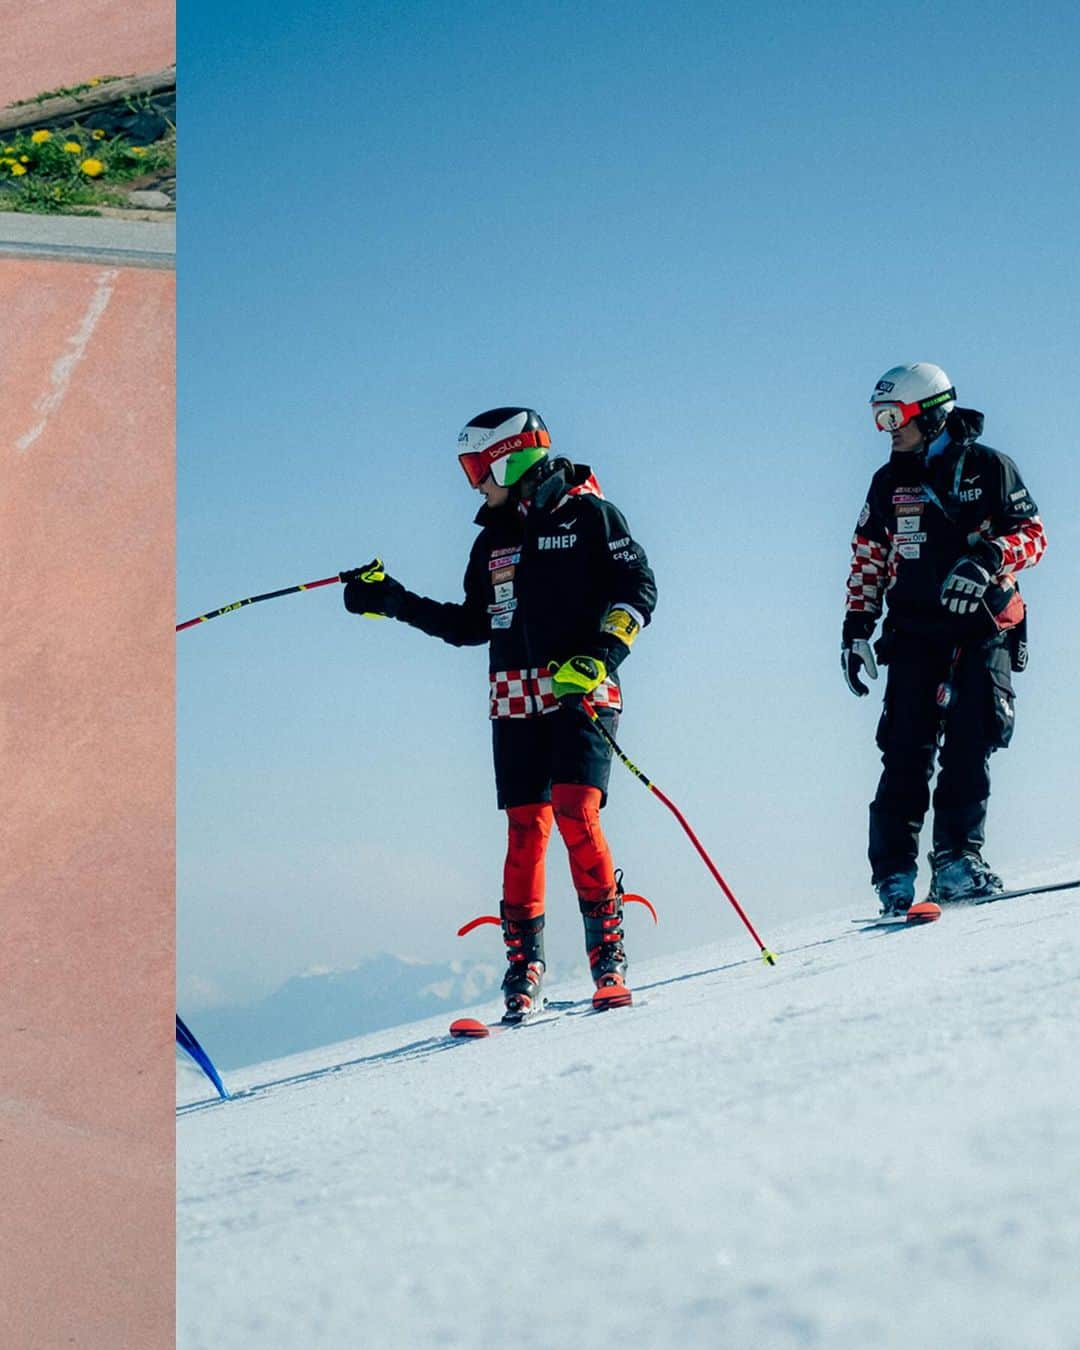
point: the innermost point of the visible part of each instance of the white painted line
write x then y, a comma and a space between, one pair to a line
64, 367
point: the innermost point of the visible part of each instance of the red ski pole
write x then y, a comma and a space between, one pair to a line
767, 956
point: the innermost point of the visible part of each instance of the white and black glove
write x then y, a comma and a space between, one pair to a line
965, 587
967, 583
855, 657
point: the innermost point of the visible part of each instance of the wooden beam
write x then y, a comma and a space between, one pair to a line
74, 107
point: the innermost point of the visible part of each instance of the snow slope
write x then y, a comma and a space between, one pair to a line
875, 1144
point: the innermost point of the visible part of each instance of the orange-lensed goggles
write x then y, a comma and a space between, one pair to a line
479, 463
893, 416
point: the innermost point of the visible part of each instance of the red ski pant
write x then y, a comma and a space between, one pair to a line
575, 809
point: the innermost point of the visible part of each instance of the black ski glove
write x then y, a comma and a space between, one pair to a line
369, 591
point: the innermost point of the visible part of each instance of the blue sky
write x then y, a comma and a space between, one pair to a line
692, 236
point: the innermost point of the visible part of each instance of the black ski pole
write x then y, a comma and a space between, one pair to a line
254, 600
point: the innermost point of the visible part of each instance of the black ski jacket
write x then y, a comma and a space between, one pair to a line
540, 580
926, 511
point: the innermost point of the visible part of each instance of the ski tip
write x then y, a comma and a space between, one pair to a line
924, 912
468, 1026
612, 996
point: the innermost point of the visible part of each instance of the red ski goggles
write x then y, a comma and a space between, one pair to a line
479, 463
893, 416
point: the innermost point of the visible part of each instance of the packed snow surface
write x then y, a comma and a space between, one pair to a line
874, 1144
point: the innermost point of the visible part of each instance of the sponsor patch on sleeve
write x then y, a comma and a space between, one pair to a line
622, 623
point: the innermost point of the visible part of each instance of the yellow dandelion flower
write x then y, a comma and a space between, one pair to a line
73, 147
98, 134
136, 149
24, 159
93, 168
17, 171
40, 136
93, 82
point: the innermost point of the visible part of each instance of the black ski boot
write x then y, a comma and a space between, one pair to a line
524, 976
604, 943
961, 877
896, 894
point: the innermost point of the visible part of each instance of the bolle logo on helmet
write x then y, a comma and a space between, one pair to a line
476, 437
884, 387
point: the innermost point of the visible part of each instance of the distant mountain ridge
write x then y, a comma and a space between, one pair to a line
318, 1009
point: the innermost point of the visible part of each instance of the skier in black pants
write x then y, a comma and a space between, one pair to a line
559, 589
946, 526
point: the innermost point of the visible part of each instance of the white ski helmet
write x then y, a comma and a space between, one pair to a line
905, 393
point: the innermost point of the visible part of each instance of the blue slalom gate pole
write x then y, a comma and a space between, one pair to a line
187, 1042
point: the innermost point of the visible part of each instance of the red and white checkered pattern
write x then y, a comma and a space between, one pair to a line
1024, 547
528, 693
867, 582
589, 488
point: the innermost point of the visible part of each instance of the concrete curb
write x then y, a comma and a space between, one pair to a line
135, 243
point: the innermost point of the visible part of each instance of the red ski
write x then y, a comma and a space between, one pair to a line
928, 911
924, 912
612, 996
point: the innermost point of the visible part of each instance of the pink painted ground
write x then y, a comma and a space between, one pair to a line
86, 806
69, 41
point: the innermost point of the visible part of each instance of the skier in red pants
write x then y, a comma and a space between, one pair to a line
559, 589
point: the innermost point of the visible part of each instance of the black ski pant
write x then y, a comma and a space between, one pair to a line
532, 753
914, 730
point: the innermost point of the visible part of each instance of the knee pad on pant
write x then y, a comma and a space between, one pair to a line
528, 828
577, 814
